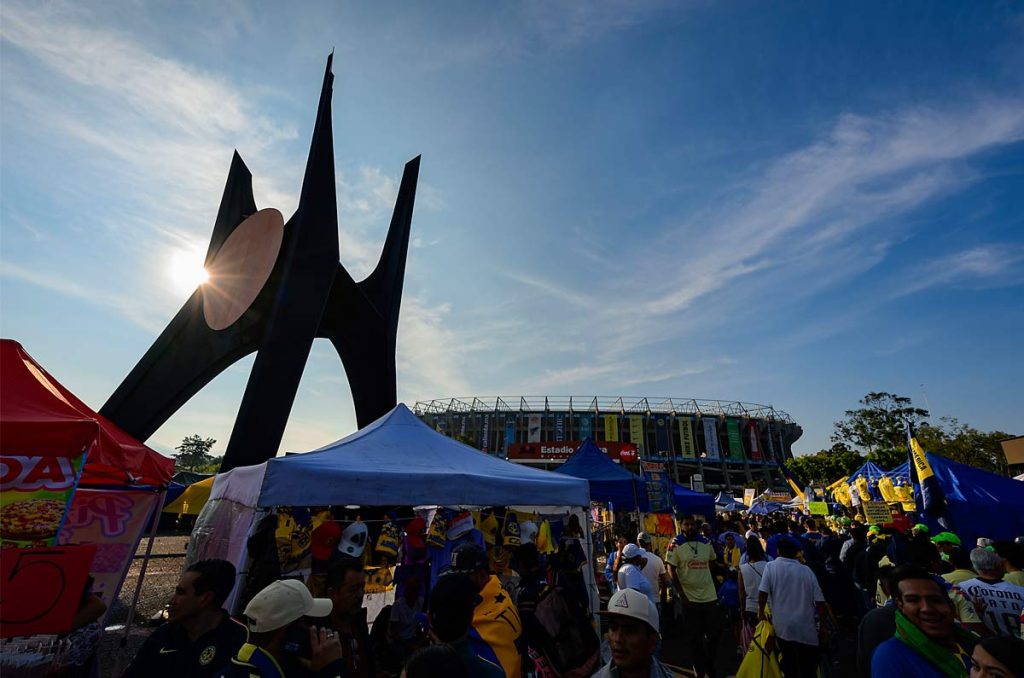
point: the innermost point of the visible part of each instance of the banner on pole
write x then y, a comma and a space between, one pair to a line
686, 444
636, 433
35, 491
585, 426
664, 448
114, 520
533, 423
711, 448
657, 485
732, 429
611, 427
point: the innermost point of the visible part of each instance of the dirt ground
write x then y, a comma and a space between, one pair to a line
162, 574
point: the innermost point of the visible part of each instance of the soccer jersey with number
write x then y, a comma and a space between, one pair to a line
1002, 603
692, 562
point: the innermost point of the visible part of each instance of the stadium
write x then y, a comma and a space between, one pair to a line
709, 445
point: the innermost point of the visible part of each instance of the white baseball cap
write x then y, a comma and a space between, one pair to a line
630, 551
353, 539
631, 603
283, 602
528, 531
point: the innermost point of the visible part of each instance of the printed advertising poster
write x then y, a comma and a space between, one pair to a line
689, 449
636, 432
748, 495
533, 423
114, 521
611, 427
34, 495
732, 429
711, 447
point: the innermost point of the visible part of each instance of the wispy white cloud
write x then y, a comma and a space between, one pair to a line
980, 267
814, 218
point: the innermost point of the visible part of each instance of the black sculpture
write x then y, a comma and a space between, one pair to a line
273, 288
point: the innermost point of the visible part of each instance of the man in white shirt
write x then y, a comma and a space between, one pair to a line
792, 591
631, 573
1000, 602
654, 570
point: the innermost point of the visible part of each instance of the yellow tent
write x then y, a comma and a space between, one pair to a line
193, 499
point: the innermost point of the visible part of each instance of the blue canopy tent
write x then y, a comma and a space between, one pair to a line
763, 508
872, 472
399, 460
624, 489
723, 499
980, 504
901, 471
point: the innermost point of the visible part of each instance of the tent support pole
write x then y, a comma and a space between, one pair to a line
158, 510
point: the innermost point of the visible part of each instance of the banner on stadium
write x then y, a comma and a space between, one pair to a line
113, 520
510, 432
664, 447
35, 491
636, 432
533, 423
561, 451
611, 427
732, 430
559, 427
585, 426
687, 446
711, 448
755, 441
485, 433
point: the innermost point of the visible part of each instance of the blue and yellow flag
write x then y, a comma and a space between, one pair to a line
793, 480
931, 501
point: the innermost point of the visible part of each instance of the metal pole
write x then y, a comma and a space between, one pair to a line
142, 574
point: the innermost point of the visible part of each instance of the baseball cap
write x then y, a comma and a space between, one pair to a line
921, 527
630, 551
635, 605
946, 538
468, 557
353, 539
281, 603
323, 540
527, 531
460, 524
643, 538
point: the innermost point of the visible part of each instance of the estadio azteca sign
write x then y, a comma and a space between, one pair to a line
560, 451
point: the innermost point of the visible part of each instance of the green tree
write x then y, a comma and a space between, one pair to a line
827, 466
965, 444
880, 426
194, 454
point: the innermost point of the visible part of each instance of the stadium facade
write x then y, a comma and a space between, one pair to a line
724, 445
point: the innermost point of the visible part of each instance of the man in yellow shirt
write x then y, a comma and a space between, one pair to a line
689, 564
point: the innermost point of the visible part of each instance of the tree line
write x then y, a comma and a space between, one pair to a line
877, 432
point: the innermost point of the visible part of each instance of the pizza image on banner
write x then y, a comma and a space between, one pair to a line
34, 495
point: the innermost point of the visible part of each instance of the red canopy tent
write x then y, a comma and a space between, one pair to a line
37, 412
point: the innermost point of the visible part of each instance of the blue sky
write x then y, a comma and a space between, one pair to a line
786, 204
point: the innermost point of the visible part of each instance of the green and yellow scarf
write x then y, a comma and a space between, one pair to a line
941, 657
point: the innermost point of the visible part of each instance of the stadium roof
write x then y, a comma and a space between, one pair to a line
622, 404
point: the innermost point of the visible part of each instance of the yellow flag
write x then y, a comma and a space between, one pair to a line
924, 469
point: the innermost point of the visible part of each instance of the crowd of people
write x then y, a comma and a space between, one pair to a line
890, 600
885, 600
